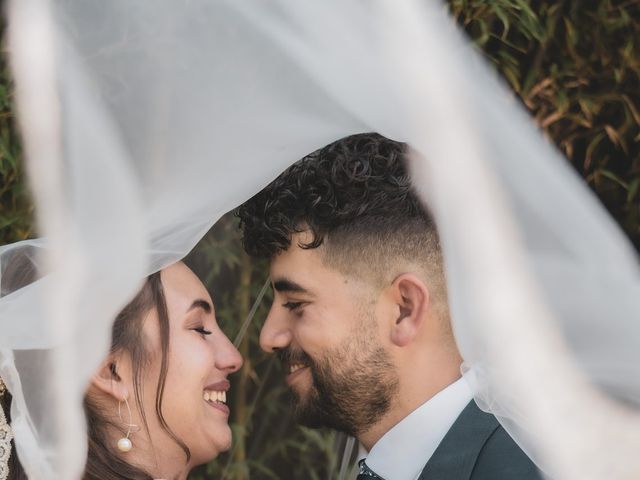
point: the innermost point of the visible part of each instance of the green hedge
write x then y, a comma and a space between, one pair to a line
576, 67
16, 209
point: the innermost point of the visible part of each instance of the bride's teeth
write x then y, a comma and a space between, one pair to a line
215, 396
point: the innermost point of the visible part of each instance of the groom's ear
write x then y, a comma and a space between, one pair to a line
113, 377
411, 300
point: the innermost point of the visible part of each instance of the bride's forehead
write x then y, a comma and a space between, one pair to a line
181, 284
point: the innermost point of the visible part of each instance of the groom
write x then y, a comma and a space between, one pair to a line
360, 316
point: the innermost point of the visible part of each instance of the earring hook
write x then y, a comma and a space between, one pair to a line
124, 444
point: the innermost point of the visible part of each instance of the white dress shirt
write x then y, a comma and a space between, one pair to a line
403, 451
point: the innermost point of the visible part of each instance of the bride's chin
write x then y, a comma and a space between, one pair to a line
227, 444
222, 442
211, 454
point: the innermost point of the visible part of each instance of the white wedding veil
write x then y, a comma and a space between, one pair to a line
146, 120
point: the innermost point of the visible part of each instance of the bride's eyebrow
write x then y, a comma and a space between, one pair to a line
200, 303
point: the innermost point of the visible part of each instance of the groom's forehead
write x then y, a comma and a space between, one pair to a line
296, 258
300, 270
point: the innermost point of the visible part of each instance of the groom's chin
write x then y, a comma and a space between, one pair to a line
305, 412
310, 412
310, 418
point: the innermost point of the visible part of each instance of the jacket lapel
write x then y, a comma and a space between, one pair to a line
456, 455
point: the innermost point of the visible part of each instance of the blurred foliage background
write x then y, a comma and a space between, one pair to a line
574, 65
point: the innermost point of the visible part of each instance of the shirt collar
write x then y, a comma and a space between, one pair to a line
404, 450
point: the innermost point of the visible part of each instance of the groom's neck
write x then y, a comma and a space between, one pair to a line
421, 379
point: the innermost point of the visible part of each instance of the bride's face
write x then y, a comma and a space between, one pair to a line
200, 357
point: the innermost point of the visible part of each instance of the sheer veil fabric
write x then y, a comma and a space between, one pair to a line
144, 121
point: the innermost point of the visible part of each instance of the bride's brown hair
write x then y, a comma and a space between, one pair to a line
104, 462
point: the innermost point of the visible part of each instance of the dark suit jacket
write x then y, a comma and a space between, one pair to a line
478, 448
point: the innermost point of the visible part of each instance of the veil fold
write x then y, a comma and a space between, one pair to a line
162, 115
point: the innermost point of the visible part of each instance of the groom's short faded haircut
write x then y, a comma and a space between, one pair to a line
356, 199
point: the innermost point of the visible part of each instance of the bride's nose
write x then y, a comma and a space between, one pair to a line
227, 357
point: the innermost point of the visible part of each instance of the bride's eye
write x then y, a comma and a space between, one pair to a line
202, 331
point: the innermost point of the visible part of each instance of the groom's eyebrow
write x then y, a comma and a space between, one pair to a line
284, 285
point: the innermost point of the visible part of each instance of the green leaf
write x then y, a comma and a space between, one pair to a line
614, 178
633, 189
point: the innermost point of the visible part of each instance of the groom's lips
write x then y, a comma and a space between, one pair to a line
296, 370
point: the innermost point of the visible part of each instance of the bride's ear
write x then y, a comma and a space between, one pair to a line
113, 377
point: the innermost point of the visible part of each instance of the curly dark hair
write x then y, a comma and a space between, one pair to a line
355, 197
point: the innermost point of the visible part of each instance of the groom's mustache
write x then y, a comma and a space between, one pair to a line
289, 356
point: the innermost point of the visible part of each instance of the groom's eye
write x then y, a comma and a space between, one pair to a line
292, 306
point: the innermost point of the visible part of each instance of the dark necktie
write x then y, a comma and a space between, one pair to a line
366, 473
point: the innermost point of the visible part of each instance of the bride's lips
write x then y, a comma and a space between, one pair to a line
221, 386
220, 406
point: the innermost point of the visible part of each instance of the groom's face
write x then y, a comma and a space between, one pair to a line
325, 327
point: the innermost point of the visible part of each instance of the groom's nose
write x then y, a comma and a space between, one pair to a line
276, 331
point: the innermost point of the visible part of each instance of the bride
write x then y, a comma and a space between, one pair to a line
156, 407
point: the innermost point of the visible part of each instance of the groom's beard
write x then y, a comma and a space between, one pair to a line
353, 386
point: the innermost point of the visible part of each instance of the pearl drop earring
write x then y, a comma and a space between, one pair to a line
124, 444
